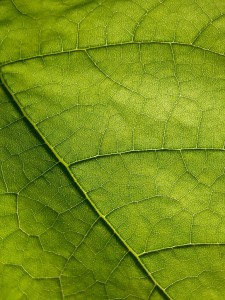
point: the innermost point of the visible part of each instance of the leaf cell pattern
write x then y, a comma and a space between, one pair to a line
112, 149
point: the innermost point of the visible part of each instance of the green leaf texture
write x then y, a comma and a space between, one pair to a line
112, 132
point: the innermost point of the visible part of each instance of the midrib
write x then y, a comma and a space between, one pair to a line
95, 208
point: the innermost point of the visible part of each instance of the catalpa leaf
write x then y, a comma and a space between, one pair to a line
112, 182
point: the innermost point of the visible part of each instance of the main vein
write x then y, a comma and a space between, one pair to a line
70, 173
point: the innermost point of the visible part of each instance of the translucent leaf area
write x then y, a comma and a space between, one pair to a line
112, 161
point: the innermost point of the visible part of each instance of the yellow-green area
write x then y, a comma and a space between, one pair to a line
112, 161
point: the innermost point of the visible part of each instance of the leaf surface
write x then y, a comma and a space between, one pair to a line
112, 149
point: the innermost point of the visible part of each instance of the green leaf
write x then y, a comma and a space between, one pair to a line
112, 182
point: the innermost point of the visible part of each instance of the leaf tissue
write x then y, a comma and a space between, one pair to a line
112, 161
